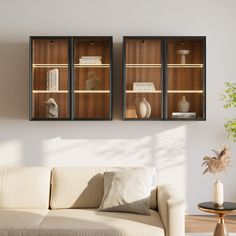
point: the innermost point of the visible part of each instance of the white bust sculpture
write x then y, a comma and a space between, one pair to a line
52, 108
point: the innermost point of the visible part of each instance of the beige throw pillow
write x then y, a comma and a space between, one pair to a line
128, 190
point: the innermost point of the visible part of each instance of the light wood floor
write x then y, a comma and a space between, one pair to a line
207, 223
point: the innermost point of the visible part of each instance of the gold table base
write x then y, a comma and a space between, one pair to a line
226, 209
220, 229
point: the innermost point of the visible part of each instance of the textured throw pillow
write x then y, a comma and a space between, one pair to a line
128, 190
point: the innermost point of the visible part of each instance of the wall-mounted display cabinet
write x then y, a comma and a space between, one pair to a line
70, 78
164, 78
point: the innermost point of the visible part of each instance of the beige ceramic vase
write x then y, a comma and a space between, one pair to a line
183, 105
143, 108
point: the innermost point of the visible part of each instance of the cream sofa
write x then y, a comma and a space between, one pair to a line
64, 200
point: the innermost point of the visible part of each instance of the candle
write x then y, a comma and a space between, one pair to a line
218, 193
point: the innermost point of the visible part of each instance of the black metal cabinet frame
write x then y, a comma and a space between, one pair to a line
164, 75
70, 76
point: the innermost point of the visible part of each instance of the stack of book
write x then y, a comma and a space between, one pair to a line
90, 60
140, 86
53, 80
183, 115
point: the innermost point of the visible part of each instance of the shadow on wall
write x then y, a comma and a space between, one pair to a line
14, 80
14, 77
82, 143
114, 143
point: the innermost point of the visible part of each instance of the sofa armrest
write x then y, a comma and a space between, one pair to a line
172, 210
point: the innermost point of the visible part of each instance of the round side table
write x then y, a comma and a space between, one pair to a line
222, 211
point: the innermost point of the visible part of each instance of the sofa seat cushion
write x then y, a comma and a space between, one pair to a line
22, 222
90, 222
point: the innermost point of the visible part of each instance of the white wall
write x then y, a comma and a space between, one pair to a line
175, 148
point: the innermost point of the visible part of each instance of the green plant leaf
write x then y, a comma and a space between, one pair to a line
229, 99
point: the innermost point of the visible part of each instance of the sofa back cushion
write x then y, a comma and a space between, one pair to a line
24, 187
82, 187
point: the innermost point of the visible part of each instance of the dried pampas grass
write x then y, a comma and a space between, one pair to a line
218, 163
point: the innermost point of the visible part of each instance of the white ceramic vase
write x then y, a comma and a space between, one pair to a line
143, 108
218, 193
183, 105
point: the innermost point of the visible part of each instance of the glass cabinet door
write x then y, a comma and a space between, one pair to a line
186, 78
142, 78
92, 77
49, 78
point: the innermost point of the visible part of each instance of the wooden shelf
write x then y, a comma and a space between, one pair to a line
143, 65
91, 91
50, 91
160, 65
75, 91
143, 91
91, 65
50, 65
185, 91
185, 65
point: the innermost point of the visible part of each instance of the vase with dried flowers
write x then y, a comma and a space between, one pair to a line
216, 164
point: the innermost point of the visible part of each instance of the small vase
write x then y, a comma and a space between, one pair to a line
143, 108
91, 84
183, 105
218, 193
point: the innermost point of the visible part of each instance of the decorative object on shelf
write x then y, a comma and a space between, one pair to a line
229, 98
90, 60
218, 193
183, 54
52, 108
53, 80
143, 108
92, 83
220, 162
183, 115
183, 105
140, 86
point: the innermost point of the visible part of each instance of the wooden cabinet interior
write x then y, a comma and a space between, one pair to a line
175, 66
48, 54
74, 99
95, 103
143, 64
185, 79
